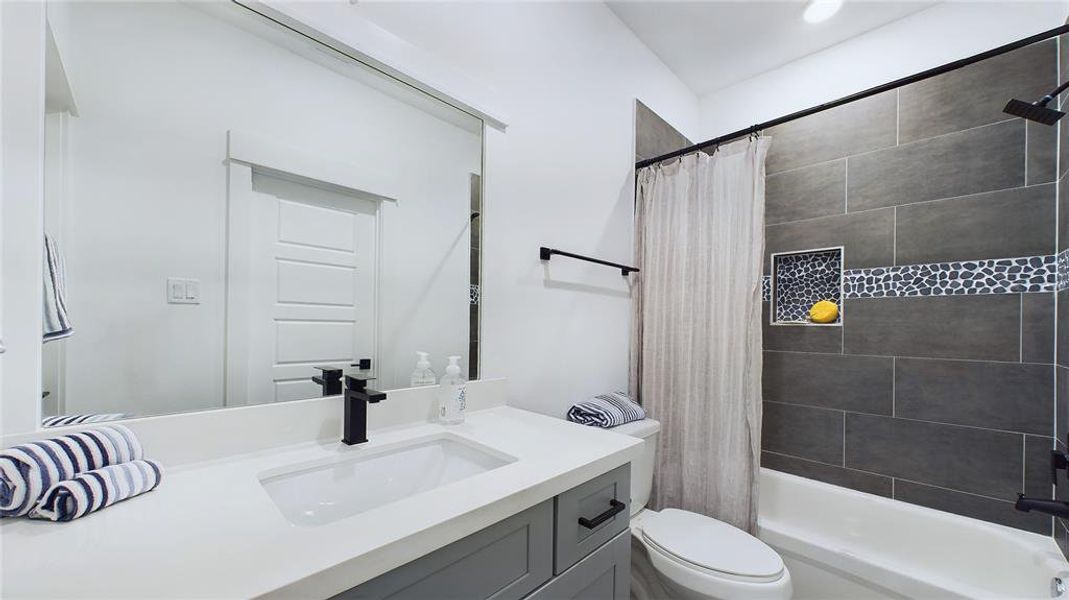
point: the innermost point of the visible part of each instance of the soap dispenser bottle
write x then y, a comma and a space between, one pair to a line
451, 394
423, 375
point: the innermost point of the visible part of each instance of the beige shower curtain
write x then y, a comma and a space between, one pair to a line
696, 327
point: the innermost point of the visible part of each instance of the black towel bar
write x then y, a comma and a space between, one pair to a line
547, 253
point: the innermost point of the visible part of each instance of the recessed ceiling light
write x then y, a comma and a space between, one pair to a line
821, 10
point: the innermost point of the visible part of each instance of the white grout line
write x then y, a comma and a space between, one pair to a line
894, 237
975, 194
894, 392
971, 360
908, 419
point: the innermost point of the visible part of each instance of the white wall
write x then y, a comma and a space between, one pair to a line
946, 32
567, 75
158, 85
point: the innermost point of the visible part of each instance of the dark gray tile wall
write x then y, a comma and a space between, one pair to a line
944, 401
653, 135
1003, 224
1061, 352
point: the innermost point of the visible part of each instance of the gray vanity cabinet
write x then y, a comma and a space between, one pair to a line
505, 561
542, 553
604, 575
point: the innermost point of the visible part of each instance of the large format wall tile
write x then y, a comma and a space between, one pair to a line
1061, 403
1037, 327
1037, 466
855, 383
1063, 205
1042, 153
855, 480
1062, 339
867, 238
804, 431
1003, 224
653, 135
977, 507
850, 129
813, 191
1010, 396
957, 164
970, 327
960, 458
974, 95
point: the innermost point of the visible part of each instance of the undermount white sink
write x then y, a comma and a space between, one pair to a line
325, 491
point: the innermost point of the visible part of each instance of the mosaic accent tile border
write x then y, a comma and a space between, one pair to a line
1029, 274
804, 278
473, 293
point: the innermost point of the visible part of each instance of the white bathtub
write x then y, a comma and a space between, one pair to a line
838, 543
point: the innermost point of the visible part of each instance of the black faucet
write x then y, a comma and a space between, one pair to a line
357, 397
1050, 507
1057, 508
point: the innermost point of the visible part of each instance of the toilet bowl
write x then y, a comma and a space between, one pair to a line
696, 557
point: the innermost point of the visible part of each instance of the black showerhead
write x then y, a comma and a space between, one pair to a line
1033, 112
1037, 111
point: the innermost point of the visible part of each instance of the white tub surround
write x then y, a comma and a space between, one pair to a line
840, 543
211, 530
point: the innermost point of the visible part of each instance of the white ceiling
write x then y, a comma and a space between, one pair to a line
714, 44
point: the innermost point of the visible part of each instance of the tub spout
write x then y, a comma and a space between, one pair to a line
1050, 507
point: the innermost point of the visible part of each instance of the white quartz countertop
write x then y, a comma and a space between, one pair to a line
211, 531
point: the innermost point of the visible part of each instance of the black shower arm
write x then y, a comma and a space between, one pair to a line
1052, 94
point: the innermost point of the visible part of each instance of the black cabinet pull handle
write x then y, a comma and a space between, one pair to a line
615, 508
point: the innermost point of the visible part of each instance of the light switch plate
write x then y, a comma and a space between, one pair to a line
183, 291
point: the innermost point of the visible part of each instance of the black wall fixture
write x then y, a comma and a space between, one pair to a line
547, 253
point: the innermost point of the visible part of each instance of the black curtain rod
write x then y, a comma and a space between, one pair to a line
951, 66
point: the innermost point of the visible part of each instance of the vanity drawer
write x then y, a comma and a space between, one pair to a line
604, 575
504, 561
591, 514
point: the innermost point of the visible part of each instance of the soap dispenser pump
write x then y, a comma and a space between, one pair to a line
423, 375
451, 394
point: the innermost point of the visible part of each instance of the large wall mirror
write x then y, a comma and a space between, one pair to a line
230, 205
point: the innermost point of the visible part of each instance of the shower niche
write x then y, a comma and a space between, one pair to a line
800, 279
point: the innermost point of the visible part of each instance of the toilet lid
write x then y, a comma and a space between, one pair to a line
708, 543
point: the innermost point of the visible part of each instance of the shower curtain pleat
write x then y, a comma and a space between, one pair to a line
696, 327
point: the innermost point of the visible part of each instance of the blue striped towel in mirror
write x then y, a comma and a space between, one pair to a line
606, 410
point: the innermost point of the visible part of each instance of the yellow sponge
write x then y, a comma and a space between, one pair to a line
824, 311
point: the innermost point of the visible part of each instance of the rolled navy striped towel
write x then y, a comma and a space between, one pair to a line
28, 470
61, 420
100, 488
606, 410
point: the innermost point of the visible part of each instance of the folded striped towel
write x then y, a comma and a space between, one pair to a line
61, 420
28, 470
100, 488
606, 410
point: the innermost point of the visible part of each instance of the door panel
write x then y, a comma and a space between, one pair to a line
308, 256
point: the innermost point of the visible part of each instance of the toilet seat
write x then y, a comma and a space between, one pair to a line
711, 546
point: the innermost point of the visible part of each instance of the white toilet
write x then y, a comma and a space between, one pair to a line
697, 557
